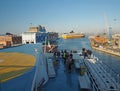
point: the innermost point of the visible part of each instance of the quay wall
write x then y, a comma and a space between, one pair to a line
107, 51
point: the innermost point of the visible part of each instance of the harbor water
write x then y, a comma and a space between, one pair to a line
112, 61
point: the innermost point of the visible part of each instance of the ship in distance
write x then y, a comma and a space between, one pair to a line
72, 35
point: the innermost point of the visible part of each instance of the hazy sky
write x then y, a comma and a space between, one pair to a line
16, 16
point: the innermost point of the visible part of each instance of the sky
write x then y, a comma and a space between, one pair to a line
16, 16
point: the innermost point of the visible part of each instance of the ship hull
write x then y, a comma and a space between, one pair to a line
69, 36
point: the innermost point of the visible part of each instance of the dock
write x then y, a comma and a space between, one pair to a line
106, 50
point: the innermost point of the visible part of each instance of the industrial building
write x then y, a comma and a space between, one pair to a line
116, 41
4, 44
52, 36
10, 40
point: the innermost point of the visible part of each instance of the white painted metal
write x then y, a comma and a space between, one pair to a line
28, 37
40, 69
103, 79
84, 82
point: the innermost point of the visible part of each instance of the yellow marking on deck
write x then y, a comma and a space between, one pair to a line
14, 62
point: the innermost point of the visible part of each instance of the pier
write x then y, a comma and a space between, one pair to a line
107, 50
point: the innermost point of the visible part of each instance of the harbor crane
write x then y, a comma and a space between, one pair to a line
108, 29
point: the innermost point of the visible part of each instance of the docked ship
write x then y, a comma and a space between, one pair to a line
73, 35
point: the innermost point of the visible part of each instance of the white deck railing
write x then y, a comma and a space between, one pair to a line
101, 79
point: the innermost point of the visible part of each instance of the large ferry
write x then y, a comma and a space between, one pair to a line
50, 73
72, 35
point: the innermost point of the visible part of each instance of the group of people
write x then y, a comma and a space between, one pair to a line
67, 58
86, 53
57, 53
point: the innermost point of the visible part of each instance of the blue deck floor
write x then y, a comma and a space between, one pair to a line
24, 81
63, 81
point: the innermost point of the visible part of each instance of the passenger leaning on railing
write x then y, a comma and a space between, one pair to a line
89, 53
86, 53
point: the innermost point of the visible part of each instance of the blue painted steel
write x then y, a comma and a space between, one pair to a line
40, 37
63, 81
20, 83
24, 81
27, 48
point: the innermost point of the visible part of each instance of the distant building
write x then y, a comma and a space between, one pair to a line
98, 41
10, 40
52, 36
109, 35
33, 37
37, 29
116, 40
4, 44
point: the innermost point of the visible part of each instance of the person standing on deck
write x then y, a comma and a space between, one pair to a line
71, 55
89, 52
69, 63
58, 53
84, 53
65, 56
62, 53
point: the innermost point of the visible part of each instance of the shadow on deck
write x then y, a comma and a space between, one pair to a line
63, 81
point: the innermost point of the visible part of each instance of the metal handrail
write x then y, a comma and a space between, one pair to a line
95, 84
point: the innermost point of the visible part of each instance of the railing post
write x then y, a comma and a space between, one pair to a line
118, 81
35, 86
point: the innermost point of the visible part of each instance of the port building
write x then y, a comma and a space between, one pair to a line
7, 40
116, 40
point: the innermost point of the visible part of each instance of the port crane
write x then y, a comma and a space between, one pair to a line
108, 29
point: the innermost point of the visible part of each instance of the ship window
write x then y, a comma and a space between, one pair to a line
27, 42
111, 87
